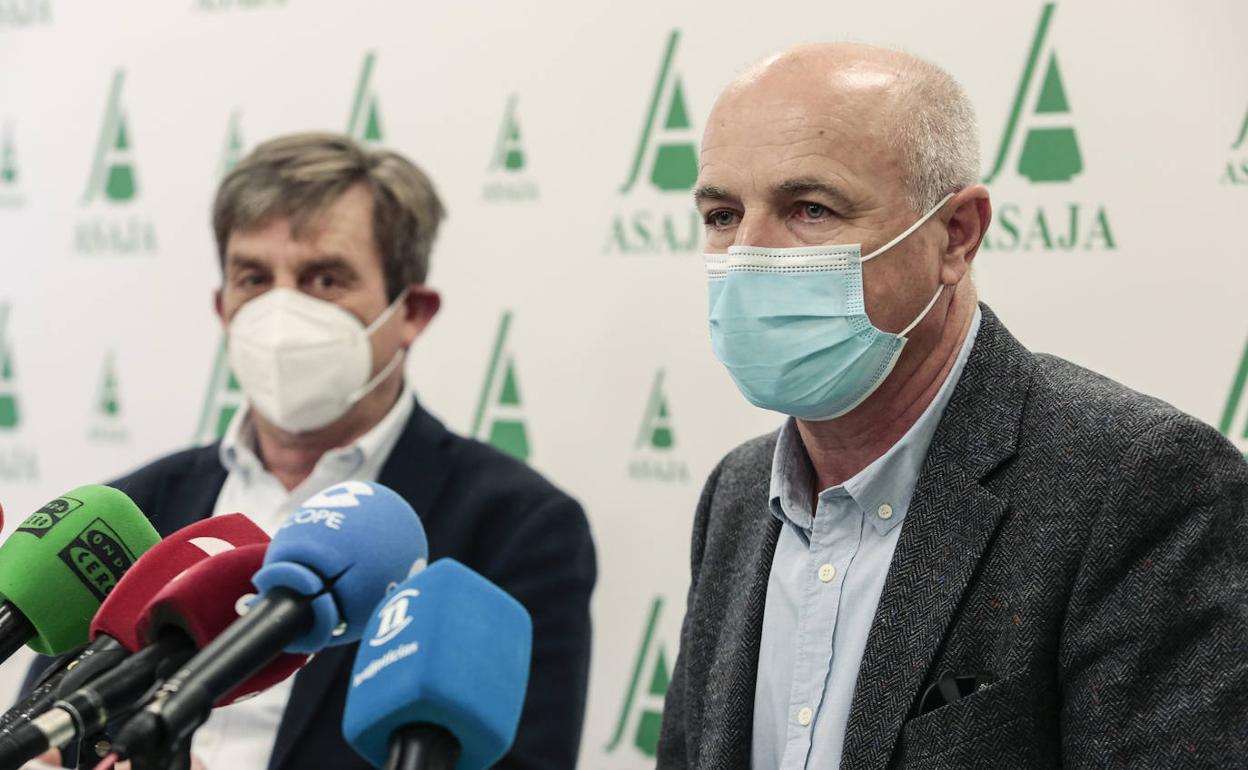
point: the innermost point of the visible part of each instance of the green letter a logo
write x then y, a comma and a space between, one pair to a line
365, 122
108, 401
656, 423
508, 152
232, 151
9, 413
1243, 134
8, 158
499, 405
675, 159
1234, 422
1050, 151
112, 172
643, 703
222, 400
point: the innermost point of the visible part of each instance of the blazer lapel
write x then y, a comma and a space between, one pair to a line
417, 470
949, 526
728, 719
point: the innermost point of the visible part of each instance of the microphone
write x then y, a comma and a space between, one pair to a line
440, 681
62, 562
184, 615
328, 565
114, 629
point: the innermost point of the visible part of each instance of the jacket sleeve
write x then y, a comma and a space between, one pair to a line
549, 566
1154, 653
674, 750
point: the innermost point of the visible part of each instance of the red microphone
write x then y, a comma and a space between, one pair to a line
190, 611
114, 627
181, 605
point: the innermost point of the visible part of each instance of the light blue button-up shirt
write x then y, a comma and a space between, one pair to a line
825, 583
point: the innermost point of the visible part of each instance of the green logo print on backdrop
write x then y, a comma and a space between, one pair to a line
641, 715
499, 419
364, 122
112, 170
668, 131
10, 414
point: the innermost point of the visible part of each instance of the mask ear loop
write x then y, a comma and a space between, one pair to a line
398, 354
905, 233
922, 315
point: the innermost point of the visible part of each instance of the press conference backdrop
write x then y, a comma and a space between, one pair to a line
563, 138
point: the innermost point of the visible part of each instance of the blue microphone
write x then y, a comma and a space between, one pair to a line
440, 678
325, 570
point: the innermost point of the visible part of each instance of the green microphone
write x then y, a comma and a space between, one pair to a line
58, 566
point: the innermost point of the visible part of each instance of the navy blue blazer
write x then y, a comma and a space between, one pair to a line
480, 506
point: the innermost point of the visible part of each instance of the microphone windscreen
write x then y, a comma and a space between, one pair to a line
354, 540
119, 614
205, 600
448, 648
65, 558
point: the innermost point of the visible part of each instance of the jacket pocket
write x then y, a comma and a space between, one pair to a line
995, 726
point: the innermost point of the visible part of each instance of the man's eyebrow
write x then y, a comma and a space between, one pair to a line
709, 192
243, 262
327, 262
805, 185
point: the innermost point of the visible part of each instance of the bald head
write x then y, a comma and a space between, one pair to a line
909, 116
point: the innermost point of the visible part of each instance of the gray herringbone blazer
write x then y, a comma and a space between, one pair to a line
1084, 544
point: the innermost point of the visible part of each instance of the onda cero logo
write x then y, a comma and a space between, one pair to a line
98, 557
42, 520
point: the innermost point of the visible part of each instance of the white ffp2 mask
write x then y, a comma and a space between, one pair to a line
301, 361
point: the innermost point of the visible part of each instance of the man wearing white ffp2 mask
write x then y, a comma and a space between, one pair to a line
325, 247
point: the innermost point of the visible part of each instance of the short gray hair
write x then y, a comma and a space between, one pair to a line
936, 133
298, 175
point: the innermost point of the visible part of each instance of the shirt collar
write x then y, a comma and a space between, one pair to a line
238, 451
883, 489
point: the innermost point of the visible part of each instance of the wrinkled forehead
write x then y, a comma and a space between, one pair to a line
837, 122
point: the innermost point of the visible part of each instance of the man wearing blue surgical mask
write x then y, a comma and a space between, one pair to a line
954, 553
324, 248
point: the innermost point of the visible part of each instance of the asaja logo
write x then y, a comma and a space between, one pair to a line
665, 161
239, 5
10, 172
10, 413
1234, 422
1237, 167
17, 463
111, 226
24, 13
106, 419
1040, 145
656, 439
364, 123
507, 164
499, 419
641, 715
232, 150
222, 400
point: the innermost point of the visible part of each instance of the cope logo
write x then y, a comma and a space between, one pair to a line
394, 616
98, 558
42, 520
344, 495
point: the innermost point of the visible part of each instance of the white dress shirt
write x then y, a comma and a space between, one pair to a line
240, 736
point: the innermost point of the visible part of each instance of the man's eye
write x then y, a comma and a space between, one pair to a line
721, 218
815, 212
325, 281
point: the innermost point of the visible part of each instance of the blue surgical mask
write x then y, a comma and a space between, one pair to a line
791, 326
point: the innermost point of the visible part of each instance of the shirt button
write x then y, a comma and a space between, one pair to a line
885, 511
827, 572
804, 715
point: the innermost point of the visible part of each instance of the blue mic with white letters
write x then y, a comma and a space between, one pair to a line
440, 676
323, 573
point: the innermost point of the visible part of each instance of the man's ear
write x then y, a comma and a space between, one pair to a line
419, 308
216, 306
971, 214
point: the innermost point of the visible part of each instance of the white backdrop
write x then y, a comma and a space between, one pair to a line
559, 135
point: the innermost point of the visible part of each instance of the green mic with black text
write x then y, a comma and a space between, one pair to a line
60, 564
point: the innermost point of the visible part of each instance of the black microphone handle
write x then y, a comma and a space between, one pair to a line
182, 703
423, 746
65, 675
15, 630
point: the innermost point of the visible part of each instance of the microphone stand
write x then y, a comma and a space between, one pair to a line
422, 747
